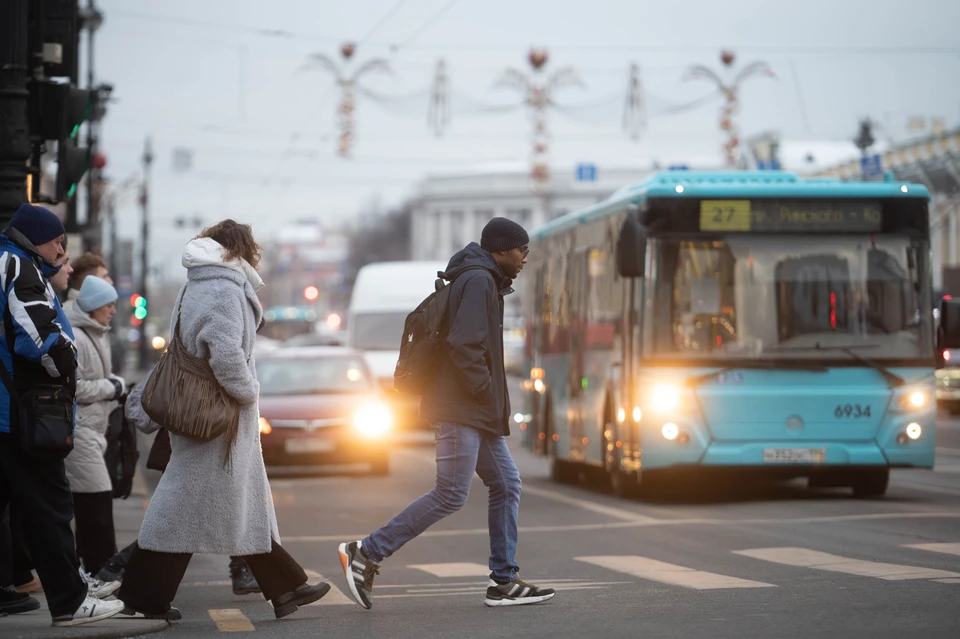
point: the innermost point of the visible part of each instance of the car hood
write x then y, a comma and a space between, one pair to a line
312, 406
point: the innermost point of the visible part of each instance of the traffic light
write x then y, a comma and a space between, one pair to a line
63, 109
139, 304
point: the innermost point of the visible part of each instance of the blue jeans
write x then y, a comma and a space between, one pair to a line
461, 450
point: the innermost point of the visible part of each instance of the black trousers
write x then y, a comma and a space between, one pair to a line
39, 490
96, 539
151, 579
15, 562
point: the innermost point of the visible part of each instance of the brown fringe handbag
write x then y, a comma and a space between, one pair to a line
184, 397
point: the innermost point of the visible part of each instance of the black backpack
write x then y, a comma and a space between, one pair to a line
423, 333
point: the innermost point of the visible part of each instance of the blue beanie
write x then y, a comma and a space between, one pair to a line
39, 225
95, 293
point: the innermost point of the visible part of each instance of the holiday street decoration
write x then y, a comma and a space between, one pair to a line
538, 94
347, 82
730, 92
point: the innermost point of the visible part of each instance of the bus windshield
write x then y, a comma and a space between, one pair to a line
790, 297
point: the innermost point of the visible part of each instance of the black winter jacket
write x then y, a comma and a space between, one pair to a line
470, 386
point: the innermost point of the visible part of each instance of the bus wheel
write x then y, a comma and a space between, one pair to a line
871, 483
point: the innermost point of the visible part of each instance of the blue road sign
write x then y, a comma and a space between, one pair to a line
586, 172
871, 166
768, 165
678, 167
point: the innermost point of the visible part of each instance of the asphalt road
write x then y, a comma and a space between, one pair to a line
742, 561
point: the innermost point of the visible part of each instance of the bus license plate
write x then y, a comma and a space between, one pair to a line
794, 455
308, 445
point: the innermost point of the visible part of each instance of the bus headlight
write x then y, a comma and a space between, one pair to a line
914, 400
914, 431
373, 419
665, 398
670, 431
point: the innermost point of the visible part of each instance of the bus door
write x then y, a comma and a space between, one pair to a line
577, 278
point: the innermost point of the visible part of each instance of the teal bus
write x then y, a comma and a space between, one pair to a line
749, 321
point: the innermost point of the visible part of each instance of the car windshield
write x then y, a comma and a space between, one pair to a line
379, 331
775, 297
312, 375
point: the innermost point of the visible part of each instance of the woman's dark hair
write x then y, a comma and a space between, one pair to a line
236, 238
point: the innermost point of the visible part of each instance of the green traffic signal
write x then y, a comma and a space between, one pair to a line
140, 313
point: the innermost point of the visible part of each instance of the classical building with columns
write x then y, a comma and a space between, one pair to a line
449, 211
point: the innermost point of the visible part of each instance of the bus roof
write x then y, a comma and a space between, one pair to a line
730, 184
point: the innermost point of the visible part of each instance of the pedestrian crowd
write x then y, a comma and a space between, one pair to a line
67, 448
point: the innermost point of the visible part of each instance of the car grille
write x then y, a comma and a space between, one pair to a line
308, 424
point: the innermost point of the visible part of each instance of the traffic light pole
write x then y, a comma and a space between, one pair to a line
14, 124
147, 160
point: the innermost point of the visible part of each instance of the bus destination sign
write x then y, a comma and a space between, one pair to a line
797, 216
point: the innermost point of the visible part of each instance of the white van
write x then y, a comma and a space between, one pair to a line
384, 293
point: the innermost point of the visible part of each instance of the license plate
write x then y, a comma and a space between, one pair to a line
788, 455
308, 445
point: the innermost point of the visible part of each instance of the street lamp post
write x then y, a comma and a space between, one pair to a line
147, 160
730, 91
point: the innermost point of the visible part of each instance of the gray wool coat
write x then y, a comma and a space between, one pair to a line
199, 506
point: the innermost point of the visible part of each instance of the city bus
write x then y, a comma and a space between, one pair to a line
747, 321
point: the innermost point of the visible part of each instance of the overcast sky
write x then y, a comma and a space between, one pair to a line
224, 78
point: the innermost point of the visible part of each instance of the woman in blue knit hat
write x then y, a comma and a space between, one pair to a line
98, 390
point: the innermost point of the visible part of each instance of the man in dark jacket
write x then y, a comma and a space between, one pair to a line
468, 405
37, 348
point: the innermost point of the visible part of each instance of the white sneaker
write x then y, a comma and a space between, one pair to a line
97, 588
92, 609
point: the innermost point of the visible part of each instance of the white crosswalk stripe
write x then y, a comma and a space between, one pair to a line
806, 558
334, 597
453, 569
947, 548
662, 572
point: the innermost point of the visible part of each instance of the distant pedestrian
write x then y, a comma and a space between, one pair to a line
468, 405
98, 390
93, 264
201, 505
38, 349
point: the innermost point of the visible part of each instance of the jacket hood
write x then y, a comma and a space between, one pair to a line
81, 319
474, 255
206, 251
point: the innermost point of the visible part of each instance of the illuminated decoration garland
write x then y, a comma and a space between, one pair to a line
538, 94
731, 93
348, 83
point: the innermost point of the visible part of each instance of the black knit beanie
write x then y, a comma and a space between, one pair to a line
501, 234
39, 225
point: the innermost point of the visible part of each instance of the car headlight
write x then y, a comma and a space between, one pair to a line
914, 400
265, 427
373, 419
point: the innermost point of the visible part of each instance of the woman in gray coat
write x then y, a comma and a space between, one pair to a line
201, 505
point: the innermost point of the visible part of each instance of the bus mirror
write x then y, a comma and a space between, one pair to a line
949, 333
631, 248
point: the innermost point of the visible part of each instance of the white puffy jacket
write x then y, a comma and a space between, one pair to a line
86, 469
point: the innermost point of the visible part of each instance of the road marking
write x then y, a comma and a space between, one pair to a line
806, 558
601, 509
453, 569
930, 488
333, 598
645, 524
950, 452
947, 581
670, 573
481, 591
231, 620
947, 468
474, 584
949, 548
